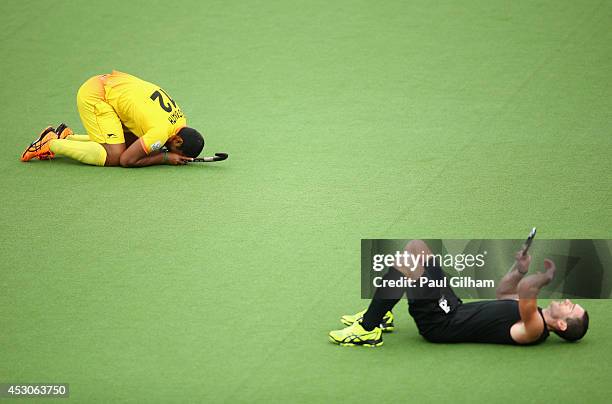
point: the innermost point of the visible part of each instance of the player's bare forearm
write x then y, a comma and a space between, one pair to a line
507, 288
150, 160
530, 286
508, 284
135, 156
156, 158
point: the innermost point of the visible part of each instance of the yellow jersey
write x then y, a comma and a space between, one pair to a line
144, 108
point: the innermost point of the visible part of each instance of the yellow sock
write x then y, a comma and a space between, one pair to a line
78, 138
86, 152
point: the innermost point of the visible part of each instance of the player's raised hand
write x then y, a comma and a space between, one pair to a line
522, 261
176, 159
550, 268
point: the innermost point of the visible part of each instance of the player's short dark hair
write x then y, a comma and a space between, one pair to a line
193, 142
576, 328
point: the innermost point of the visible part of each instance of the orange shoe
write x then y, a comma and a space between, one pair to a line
63, 131
40, 147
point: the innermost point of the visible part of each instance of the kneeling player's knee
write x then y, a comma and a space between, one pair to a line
113, 160
113, 154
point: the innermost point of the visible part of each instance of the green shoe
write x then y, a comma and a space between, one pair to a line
385, 326
355, 334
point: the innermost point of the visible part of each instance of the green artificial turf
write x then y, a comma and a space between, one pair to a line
343, 120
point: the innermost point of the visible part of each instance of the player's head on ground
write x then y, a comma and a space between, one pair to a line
568, 320
187, 141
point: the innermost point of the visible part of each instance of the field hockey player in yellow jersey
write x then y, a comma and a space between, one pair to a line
112, 106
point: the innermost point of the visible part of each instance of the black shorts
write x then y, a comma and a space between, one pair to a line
432, 307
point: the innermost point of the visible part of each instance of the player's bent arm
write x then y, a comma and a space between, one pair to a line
531, 325
507, 288
529, 287
135, 156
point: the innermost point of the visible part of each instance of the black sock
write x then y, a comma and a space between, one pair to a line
384, 300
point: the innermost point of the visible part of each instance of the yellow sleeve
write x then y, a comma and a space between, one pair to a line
154, 140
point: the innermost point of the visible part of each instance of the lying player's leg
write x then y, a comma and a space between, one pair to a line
365, 328
423, 300
379, 312
416, 248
